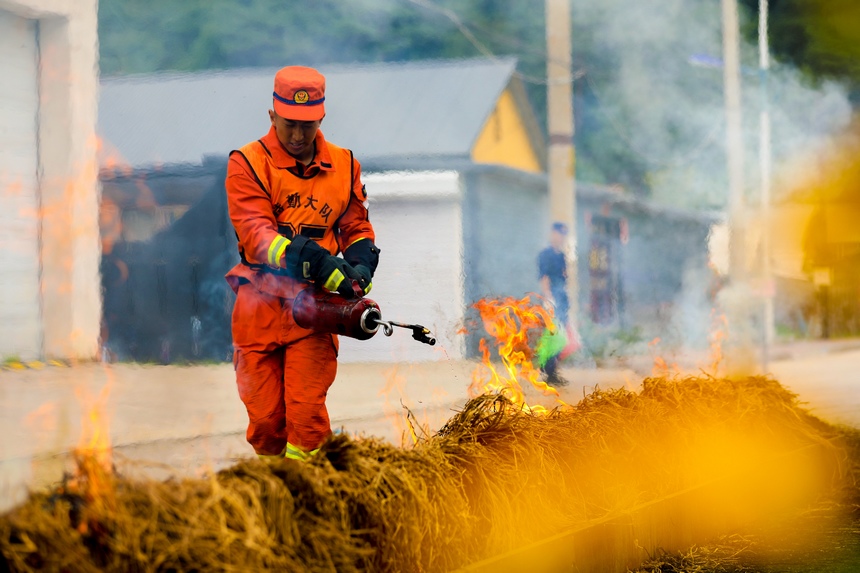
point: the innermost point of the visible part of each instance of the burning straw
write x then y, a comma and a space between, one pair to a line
492, 479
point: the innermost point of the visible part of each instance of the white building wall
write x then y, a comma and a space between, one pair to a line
20, 307
62, 218
417, 218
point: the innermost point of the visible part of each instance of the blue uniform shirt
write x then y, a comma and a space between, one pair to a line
552, 264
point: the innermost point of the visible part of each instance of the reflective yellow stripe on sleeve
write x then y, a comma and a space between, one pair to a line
355, 241
334, 280
276, 250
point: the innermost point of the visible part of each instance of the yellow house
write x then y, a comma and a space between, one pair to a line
509, 136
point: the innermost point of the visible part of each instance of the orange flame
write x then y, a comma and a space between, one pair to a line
110, 159
719, 332
405, 425
112, 165
661, 367
511, 324
94, 455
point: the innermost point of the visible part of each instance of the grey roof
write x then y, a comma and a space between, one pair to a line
403, 111
617, 196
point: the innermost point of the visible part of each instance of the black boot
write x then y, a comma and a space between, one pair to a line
553, 378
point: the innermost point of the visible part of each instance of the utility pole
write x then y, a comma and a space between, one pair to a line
561, 156
734, 139
741, 358
765, 169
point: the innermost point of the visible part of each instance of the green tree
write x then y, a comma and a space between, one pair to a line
822, 38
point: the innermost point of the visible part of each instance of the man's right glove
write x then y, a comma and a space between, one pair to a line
363, 255
306, 259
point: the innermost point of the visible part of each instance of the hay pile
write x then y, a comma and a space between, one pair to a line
822, 536
492, 479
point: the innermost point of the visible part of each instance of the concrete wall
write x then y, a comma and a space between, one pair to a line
505, 227
68, 185
418, 223
660, 266
20, 302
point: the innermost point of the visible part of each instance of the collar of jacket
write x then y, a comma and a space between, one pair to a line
284, 160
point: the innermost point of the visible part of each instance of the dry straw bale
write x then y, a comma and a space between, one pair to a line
492, 479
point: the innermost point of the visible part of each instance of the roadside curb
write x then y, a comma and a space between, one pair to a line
17, 366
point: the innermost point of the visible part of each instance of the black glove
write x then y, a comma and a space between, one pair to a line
363, 255
366, 277
306, 259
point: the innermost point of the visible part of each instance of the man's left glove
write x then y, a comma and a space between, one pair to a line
306, 259
363, 255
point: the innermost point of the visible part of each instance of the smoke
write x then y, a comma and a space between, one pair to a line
655, 84
662, 96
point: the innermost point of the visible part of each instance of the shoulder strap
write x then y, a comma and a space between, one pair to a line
253, 154
349, 190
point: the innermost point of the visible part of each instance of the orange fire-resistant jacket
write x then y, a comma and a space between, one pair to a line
271, 196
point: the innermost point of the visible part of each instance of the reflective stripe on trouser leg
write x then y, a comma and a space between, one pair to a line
296, 453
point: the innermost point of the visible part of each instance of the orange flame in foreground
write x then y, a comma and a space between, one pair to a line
719, 332
93, 478
511, 324
717, 336
661, 367
403, 419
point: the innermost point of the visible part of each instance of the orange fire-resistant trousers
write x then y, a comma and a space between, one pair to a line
283, 373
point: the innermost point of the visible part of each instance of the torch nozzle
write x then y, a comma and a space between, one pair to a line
419, 333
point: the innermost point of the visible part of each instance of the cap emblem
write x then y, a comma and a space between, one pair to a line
301, 97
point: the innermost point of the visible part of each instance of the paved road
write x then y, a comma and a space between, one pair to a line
828, 384
167, 419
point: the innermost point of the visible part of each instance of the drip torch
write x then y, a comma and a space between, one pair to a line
360, 318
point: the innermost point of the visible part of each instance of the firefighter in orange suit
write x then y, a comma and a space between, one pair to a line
295, 200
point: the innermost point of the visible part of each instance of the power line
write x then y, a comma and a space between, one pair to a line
482, 48
451, 15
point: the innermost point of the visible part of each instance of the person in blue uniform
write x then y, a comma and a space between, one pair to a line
552, 271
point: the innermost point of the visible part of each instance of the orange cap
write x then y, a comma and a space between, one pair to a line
299, 93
